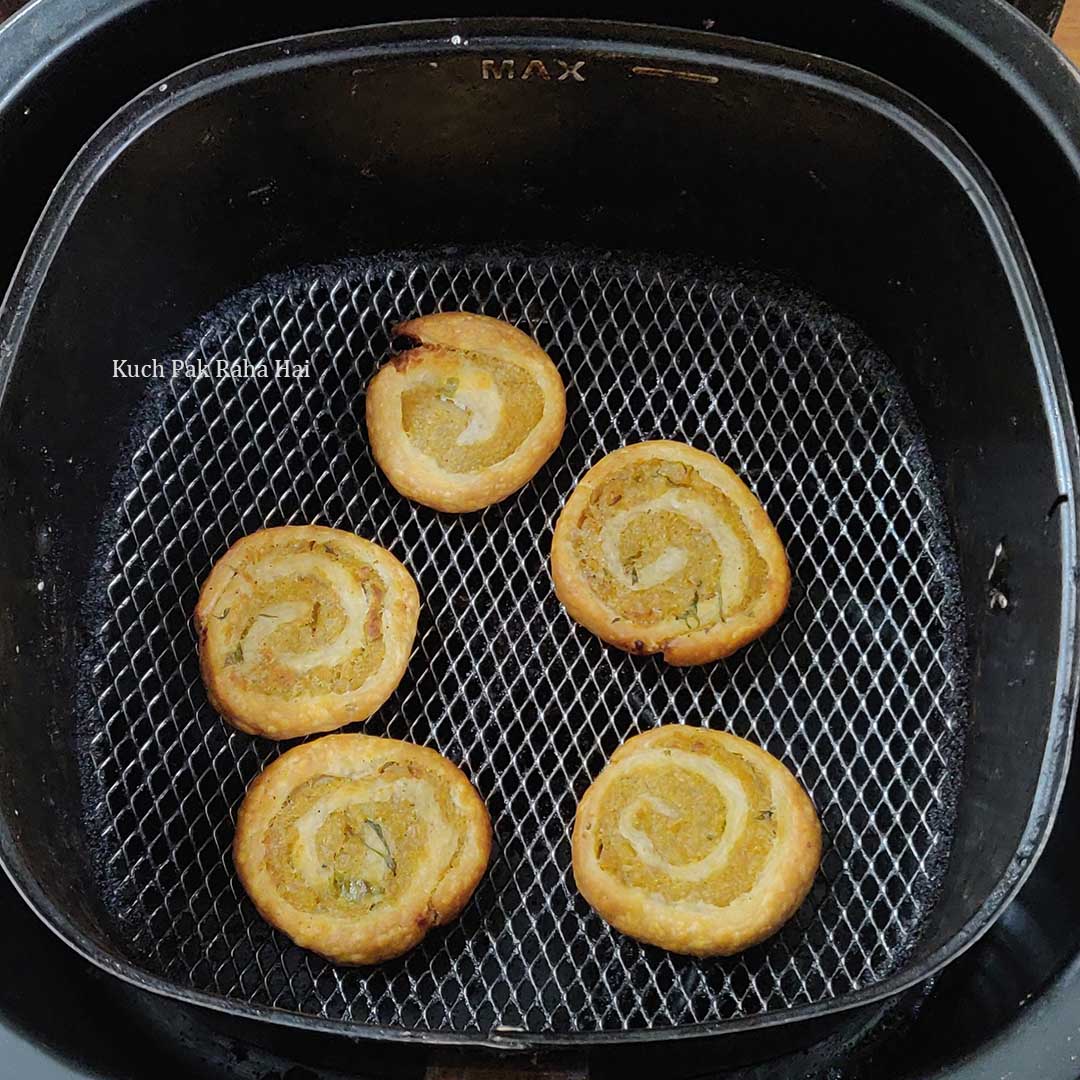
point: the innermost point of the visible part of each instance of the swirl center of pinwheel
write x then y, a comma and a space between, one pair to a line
349, 844
672, 822
302, 622
467, 410
661, 544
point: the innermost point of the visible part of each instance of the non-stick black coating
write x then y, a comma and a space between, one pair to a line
760, 166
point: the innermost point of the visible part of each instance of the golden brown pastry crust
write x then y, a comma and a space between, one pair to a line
446, 342
692, 926
380, 607
676, 636
447, 819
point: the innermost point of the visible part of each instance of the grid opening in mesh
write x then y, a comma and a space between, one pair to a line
858, 688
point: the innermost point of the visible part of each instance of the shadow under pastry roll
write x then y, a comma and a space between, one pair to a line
467, 415
356, 846
303, 629
696, 841
662, 548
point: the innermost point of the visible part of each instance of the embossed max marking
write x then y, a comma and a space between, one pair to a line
533, 69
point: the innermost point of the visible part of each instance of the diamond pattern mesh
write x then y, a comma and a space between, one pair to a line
858, 688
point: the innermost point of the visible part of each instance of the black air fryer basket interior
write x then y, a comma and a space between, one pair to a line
768, 255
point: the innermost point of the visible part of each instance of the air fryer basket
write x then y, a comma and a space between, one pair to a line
900, 410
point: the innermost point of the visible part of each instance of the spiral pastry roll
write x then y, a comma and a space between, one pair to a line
302, 629
356, 846
696, 841
662, 548
467, 415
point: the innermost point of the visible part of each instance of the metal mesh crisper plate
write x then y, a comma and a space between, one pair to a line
858, 689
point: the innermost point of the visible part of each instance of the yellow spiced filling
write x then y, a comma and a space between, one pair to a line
306, 619
658, 543
687, 822
467, 410
344, 846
